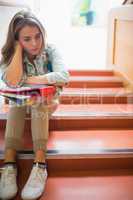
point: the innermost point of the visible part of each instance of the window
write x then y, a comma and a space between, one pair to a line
91, 12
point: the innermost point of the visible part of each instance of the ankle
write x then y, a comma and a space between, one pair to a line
12, 164
39, 161
39, 156
42, 165
10, 155
9, 162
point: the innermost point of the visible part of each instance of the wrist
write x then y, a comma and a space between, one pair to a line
18, 47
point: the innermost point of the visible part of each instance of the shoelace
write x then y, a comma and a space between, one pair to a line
36, 177
7, 176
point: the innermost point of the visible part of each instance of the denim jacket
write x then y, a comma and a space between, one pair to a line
49, 64
58, 75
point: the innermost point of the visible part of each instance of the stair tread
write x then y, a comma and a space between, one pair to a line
91, 139
96, 91
84, 141
85, 111
96, 78
94, 185
96, 96
94, 110
86, 72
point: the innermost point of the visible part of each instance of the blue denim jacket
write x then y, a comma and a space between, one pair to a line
49, 63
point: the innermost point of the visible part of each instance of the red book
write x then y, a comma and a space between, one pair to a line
26, 94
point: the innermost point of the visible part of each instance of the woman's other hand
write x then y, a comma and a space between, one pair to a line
37, 80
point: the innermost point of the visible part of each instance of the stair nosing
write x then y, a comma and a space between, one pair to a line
105, 153
96, 79
94, 116
96, 94
90, 116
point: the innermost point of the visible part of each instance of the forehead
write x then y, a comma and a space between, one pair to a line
29, 31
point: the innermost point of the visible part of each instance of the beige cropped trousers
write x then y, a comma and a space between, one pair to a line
39, 115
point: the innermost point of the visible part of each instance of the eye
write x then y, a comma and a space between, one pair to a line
38, 36
27, 39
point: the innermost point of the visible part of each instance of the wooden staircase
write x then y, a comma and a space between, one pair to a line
90, 147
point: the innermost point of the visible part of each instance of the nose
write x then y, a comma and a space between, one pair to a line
34, 43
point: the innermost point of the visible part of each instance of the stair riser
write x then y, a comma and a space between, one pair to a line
57, 165
71, 164
78, 124
98, 100
90, 73
100, 84
60, 167
93, 180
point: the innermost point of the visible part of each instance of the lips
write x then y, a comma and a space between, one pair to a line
34, 49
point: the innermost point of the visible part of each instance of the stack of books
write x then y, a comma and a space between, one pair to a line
28, 94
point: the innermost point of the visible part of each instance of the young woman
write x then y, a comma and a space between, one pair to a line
28, 59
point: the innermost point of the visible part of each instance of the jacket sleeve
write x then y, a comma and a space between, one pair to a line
59, 74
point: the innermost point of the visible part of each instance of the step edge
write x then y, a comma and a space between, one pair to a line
117, 153
95, 95
82, 117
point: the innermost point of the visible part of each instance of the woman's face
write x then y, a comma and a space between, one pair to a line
31, 40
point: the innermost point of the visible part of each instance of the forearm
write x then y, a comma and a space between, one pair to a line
42, 79
37, 80
14, 70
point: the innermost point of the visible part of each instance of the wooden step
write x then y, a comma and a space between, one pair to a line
86, 116
83, 150
95, 95
84, 163
96, 185
58, 162
83, 141
82, 155
91, 72
95, 116
94, 82
67, 169
79, 184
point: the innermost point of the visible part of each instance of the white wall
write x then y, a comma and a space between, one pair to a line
6, 13
82, 47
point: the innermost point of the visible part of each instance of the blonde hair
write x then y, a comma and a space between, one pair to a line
20, 20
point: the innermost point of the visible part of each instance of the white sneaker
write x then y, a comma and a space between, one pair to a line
35, 184
8, 185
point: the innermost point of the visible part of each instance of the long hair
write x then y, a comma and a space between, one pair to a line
127, 2
20, 20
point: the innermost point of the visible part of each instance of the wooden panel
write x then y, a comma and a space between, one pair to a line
120, 42
123, 52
